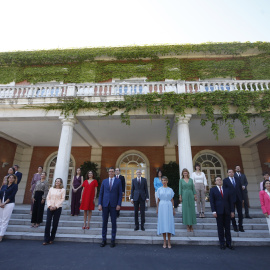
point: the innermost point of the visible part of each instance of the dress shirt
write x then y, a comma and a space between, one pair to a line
56, 197
110, 180
233, 182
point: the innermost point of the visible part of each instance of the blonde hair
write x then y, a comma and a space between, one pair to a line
61, 185
185, 170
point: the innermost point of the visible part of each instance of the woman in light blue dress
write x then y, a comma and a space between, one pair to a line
165, 211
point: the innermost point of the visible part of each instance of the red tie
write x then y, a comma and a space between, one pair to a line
221, 192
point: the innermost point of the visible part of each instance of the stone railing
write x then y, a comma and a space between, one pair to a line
127, 88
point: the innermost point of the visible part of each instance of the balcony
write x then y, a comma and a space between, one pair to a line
127, 88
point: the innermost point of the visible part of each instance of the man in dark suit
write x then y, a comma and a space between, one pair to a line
244, 184
234, 186
223, 210
139, 194
123, 181
109, 201
18, 174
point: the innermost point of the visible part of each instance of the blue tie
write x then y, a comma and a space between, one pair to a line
233, 181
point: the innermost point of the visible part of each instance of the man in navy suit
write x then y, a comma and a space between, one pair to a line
244, 183
109, 201
234, 186
139, 194
123, 181
223, 210
18, 174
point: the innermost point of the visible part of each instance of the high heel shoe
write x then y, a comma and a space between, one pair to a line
83, 227
203, 215
87, 228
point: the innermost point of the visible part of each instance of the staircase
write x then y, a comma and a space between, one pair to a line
205, 232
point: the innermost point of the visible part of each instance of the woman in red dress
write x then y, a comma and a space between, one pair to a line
89, 195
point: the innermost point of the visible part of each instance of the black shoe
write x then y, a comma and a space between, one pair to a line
103, 244
249, 217
230, 247
241, 230
142, 228
235, 229
112, 244
222, 246
136, 228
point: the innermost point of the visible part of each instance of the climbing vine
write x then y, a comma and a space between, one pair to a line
244, 106
155, 63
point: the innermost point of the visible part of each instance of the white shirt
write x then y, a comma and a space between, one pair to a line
199, 179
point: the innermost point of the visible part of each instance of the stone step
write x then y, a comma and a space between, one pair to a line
130, 232
149, 225
176, 240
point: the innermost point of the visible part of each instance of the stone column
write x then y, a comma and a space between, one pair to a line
184, 146
64, 150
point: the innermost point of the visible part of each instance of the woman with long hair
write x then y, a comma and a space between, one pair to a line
187, 195
39, 196
265, 201
76, 193
55, 199
89, 195
7, 203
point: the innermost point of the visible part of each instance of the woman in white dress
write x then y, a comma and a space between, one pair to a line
166, 212
200, 184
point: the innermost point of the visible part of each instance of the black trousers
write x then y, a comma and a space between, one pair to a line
223, 224
238, 205
245, 198
38, 208
140, 203
52, 218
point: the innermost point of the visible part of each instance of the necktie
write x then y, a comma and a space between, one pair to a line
110, 184
139, 181
233, 181
221, 192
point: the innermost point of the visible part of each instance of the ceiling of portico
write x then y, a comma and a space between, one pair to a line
110, 131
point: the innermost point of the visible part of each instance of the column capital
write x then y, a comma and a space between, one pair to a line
68, 121
183, 119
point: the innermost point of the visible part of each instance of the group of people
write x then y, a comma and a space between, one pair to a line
227, 195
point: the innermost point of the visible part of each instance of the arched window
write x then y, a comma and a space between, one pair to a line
50, 173
128, 165
211, 166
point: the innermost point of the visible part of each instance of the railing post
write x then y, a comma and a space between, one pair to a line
181, 87
71, 90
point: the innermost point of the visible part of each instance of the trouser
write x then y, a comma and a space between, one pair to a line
38, 208
245, 198
106, 211
268, 223
238, 205
52, 217
5, 214
139, 203
223, 223
200, 191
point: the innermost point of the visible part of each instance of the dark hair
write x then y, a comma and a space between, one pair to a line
44, 173
86, 176
230, 170
40, 167
12, 169
111, 168
264, 183
264, 173
185, 170
197, 165
158, 173
217, 177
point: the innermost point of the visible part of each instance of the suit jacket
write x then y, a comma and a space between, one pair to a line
221, 204
265, 202
19, 177
243, 180
236, 192
137, 190
113, 196
123, 181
